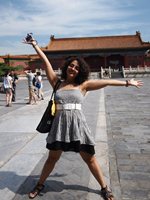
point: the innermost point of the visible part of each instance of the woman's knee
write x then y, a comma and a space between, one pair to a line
54, 156
87, 157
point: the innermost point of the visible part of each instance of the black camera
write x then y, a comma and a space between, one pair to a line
29, 37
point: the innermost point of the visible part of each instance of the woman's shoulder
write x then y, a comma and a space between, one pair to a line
9, 77
39, 77
83, 85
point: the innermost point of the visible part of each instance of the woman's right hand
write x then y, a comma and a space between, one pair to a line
29, 40
51, 75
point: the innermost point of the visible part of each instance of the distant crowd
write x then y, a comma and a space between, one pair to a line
35, 86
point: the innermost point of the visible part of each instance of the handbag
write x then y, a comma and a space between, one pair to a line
46, 121
38, 85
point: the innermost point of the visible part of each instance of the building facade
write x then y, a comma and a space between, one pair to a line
106, 51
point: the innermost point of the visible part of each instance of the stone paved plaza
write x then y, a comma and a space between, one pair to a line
128, 125
119, 117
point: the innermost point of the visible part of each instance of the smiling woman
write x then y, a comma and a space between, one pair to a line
70, 131
80, 67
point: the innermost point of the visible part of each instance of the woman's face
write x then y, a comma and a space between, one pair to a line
73, 69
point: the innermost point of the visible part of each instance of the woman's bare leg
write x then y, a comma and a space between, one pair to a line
94, 167
47, 169
49, 165
7, 98
10, 97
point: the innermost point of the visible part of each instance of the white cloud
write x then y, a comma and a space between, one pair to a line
57, 15
66, 18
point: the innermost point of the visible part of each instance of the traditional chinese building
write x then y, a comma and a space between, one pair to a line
105, 51
19, 60
113, 51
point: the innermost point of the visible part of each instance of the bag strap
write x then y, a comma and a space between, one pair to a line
55, 88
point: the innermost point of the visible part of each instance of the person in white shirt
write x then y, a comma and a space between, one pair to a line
39, 85
8, 88
32, 96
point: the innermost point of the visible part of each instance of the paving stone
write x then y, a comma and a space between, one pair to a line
128, 117
135, 194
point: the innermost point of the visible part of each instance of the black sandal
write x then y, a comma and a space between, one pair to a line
106, 194
36, 191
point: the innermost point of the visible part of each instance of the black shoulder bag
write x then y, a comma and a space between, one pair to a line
47, 119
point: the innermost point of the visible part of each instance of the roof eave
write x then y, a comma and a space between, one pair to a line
100, 49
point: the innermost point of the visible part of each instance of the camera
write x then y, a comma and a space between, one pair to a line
29, 37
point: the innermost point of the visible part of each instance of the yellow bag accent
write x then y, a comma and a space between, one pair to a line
53, 109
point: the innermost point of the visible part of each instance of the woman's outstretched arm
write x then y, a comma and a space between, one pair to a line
98, 84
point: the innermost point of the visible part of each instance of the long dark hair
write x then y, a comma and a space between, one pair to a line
83, 70
6, 73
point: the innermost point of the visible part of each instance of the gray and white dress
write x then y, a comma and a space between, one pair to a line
69, 131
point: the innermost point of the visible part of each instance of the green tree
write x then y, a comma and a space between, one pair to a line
4, 68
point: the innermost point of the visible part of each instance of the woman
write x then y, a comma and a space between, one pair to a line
69, 131
7, 82
14, 84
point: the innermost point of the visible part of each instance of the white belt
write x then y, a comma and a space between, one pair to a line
68, 106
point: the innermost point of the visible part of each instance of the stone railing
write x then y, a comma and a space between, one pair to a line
124, 72
136, 72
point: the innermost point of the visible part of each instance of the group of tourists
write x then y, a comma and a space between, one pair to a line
35, 86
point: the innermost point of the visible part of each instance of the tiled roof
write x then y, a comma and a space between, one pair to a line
31, 56
95, 43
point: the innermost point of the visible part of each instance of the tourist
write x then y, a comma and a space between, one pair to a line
69, 131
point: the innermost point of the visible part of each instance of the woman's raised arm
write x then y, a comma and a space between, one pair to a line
51, 75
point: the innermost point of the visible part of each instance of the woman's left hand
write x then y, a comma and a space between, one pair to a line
136, 83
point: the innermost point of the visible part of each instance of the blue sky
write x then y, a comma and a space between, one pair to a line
69, 18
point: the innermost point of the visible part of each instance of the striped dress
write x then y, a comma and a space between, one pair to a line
70, 131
